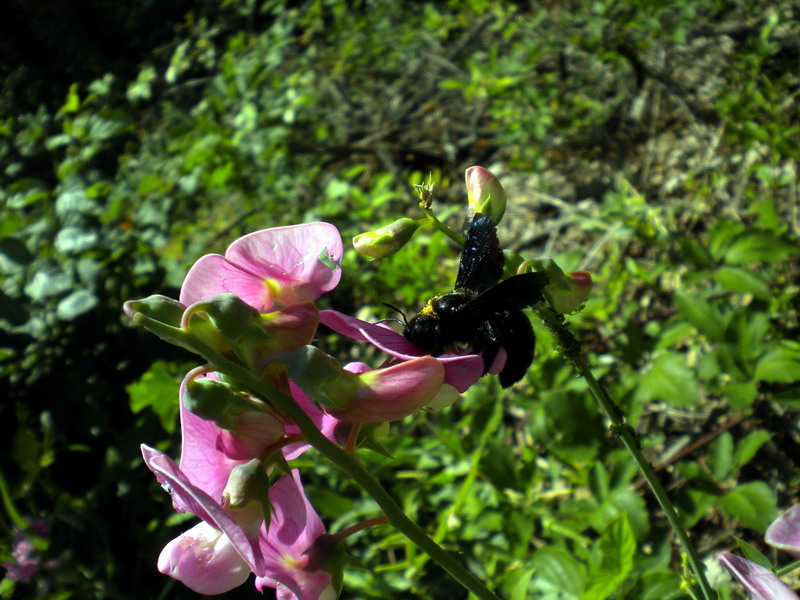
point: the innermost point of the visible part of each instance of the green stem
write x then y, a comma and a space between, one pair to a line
438, 225
572, 351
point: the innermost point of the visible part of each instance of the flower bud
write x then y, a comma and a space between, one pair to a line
248, 484
485, 194
386, 240
566, 292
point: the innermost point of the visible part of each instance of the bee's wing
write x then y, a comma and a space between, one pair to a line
482, 259
514, 293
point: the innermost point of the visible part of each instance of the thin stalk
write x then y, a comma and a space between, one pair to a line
439, 226
572, 351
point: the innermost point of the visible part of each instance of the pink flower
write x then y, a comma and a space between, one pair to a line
759, 582
216, 555
219, 554
293, 529
461, 370
270, 269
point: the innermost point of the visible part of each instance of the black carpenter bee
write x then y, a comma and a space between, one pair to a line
480, 312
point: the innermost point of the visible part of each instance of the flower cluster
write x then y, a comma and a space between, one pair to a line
255, 304
246, 414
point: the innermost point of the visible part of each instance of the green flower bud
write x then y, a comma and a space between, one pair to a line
386, 240
566, 292
485, 194
248, 484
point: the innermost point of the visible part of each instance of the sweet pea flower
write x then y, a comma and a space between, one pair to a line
219, 554
461, 370
216, 555
270, 269
286, 545
357, 394
759, 582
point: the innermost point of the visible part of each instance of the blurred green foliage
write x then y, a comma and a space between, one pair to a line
119, 169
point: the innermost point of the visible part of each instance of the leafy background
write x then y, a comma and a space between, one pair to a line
654, 143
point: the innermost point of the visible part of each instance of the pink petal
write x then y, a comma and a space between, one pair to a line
187, 497
213, 275
758, 582
394, 392
784, 533
281, 264
204, 560
309, 587
292, 253
323, 421
294, 524
202, 460
461, 370
293, 528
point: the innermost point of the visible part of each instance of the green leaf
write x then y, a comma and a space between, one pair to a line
670, 380
77, 303
736, 279
751, 553
661, 585
758, 246
521, 588
779, 365
753, 503
558, 574
747, 447
740, 394
703, 315
720, 457
74, 240
158, 389
612, 560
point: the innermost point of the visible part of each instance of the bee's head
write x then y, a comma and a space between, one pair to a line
424, 331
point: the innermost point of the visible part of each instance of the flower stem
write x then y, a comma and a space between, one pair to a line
570, 348
439, 226
352, 467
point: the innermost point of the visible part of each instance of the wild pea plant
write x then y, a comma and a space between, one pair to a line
266, 395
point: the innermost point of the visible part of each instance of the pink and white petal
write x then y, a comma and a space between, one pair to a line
213, 275
204, 560
291, 255
189, 498
758, 582
784, 533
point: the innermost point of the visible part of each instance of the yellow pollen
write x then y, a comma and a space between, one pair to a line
429, 310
